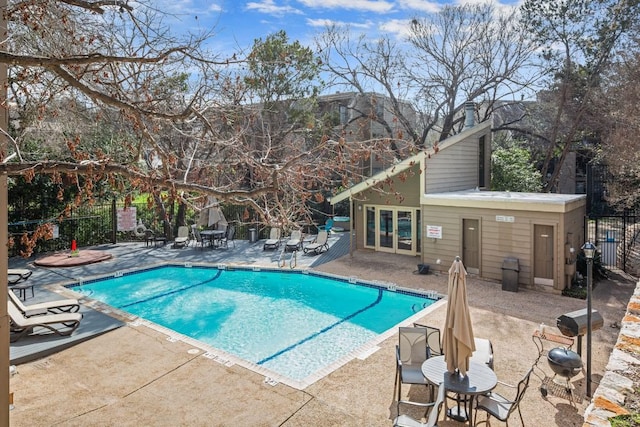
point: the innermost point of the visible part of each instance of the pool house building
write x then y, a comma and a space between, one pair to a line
436, 205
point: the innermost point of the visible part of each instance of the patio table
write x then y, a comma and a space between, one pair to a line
480, 379
212, 236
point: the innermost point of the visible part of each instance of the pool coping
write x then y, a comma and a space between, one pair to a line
227, 359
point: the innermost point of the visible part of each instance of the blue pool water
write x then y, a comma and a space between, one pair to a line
288, 322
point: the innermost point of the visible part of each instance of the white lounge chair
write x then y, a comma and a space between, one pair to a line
17, 275
182, 239
320, 243
59, 306
273, 241
295, 241
22, 325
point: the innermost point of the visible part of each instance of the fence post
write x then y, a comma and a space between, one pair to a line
114, 221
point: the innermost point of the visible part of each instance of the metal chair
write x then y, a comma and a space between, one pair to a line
411, 351
434, 341
229, 237
432, 420
498, 406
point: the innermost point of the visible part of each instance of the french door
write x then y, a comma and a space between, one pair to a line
392, 229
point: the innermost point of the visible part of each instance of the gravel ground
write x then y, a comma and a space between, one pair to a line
508, 320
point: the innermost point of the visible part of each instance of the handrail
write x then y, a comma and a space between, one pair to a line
281, 261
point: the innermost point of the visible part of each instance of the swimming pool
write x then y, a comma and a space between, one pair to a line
292, 323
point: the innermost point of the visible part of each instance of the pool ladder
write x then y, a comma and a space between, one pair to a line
293, 261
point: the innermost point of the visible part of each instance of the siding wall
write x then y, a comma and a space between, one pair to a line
406, 184
454, 168
499, 240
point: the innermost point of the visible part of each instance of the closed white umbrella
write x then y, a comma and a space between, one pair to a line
458, 343
211, 214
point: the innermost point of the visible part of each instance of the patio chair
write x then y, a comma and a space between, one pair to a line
17, 275
434, 414
295, 241
327, 226
484, 352
229, 237
182, 239
411, 351
59, 306
20, 325
273, 241
197, 236
498, 406
434, 341
150, 237
319, 245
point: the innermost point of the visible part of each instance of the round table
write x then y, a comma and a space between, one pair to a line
480, 379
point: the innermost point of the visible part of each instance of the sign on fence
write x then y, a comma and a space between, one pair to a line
126, 218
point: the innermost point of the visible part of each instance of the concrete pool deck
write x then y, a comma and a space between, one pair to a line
135, 375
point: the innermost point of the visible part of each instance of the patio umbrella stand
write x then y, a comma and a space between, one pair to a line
458, 343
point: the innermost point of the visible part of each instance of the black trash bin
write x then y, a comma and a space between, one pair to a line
253, 235
510, 269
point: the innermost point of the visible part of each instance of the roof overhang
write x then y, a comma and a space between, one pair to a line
418, 158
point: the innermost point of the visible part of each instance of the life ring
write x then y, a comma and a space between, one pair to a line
140, 230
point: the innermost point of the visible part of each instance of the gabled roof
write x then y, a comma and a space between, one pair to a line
409, 162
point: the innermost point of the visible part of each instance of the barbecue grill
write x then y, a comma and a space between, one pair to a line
574, 324
564, 362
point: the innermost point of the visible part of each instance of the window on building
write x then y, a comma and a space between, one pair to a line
344, 115
481, 161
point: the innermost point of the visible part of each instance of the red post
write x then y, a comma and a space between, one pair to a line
73, 245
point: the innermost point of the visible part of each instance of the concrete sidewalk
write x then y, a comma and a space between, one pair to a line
137, 376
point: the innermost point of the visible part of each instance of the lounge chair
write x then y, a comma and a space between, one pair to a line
150, 237
295, 241
17, 275
20, 325
327, 226
59, 306
320, 243
273, 241
182, 239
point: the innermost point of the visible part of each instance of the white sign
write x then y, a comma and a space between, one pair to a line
126, 218
434, 232
502, 218
56, 231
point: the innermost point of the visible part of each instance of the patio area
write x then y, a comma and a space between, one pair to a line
134, 375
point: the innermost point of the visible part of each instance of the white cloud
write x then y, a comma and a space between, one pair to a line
330, 22
377, 6
269, 7
399, 27
421, 5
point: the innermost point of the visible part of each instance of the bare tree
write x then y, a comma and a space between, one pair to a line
190, 123
462, 53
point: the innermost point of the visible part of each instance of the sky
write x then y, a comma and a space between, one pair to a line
237, 23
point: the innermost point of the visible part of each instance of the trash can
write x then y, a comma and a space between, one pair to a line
253, 235
423, 268
510, 269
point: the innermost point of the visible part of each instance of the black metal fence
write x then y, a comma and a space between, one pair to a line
617, 237
98, 224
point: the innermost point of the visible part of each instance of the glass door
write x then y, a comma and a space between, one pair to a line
385, 230
404, 225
